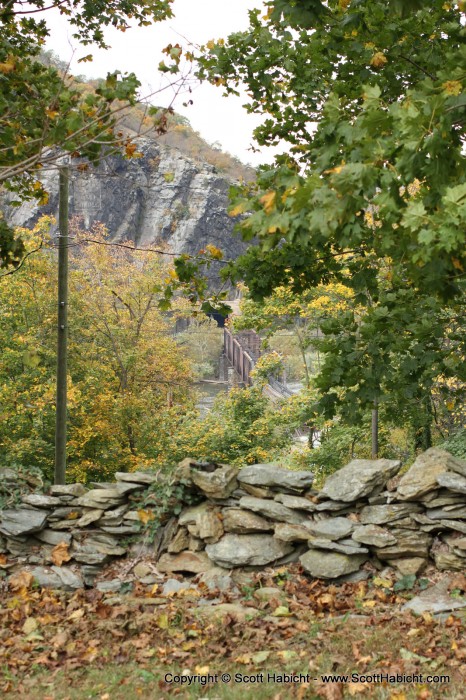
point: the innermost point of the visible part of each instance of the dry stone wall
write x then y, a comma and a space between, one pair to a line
254, 517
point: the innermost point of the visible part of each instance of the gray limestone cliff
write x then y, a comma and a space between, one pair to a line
163, 196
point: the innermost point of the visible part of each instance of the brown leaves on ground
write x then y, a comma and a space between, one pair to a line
327, 629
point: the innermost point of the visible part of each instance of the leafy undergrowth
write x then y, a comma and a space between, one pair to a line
71, 646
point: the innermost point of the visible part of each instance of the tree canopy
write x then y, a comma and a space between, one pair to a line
368, 100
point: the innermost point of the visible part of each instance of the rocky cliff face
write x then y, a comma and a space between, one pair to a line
164, 196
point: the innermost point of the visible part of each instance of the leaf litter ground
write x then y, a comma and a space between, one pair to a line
88, 644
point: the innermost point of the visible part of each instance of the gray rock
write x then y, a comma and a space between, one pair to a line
411, 566
46, 577
210, 526
125, 487
272, 510
292, 533
332, 528
447, 513
296, 502
244, 522
68, 490
114, 516
343, 546
453, 482
179, 542
91, 557
196, 544
373, 535
447, 560
22, 522
422, 476
359, 478
247, 550
256, 491
333, 507
112, 586
38, 500
101, 498
409, 543
53, 537
193, 562
379, 515
171, 585
217, 579
137, 477
330, 565
218, 483
436, 599
453, 541
189, 516
443, 498
273, 475
65, 512
70, 580
90, 516
124, 530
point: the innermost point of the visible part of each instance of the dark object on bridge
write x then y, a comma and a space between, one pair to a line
242, 351
219, 318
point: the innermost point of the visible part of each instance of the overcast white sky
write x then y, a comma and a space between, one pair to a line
217, 118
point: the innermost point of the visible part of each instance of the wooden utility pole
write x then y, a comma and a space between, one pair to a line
62, 330
375, 430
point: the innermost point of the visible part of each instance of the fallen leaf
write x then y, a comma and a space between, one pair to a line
30, 625
76, 614
21, 581
60, 554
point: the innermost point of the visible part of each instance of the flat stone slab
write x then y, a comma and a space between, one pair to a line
409, 543
244, 522
447, 513
53, 537
247, 550
330, 565
210, 526
273, 475
68, 490
379, 515
422, 476
343, 546
373, 535
435, 600
332, 528
137, 477
38, 500
452, 481
101, 498
272, 509
292, 533
295, 502
359, 478
193, 562
22, 521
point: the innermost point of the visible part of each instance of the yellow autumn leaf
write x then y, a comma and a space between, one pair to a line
378, 60
145, 516
51, 113
457, 264
8, 65
238, 209
268, 201
214, 251
452, 87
